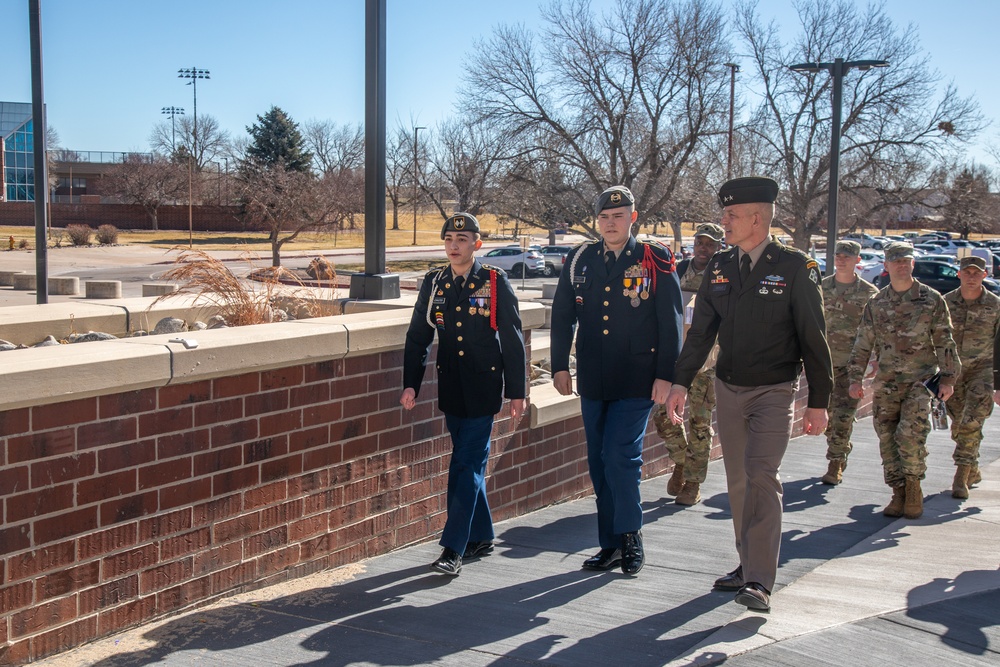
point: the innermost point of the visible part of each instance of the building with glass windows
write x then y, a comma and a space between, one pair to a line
17, 162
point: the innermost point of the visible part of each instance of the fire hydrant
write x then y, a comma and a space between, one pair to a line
11, 241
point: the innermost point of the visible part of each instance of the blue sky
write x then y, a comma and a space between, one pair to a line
111, 65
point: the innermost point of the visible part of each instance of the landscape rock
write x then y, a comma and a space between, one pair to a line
170, 325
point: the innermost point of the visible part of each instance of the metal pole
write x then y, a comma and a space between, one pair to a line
416, 179
41, 167
190, 206
831, 226
733, 69
194, 137
375, 136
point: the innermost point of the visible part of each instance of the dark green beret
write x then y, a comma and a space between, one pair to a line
460, 222
748, 190
614, 197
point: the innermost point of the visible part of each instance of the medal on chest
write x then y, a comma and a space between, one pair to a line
636, 284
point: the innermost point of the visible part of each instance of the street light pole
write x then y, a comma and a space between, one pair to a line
194, 74
416, 180
838, 68
173, 111
733, 69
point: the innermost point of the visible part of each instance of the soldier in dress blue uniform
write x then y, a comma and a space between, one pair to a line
623, 300
763, 303
480, 360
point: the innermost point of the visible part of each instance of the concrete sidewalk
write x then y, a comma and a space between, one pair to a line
853, 588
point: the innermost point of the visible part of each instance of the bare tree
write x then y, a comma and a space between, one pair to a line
971, 207
213, 142
399, 176
895, 124
335, 147
623, 98
147, 180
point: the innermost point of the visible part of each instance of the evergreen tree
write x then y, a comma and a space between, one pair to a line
277, 143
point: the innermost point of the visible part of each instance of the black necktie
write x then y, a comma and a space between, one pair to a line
744, 269
609, 259
459, 282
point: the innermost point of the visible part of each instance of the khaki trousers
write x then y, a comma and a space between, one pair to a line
755, 424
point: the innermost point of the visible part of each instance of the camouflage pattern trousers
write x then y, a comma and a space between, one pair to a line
901, 418
691, 449
841, 424
969, 407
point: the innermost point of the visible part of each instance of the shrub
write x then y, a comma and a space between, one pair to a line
23, 244
107, 235
79, 234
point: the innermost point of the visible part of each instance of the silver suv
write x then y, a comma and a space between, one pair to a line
515, 261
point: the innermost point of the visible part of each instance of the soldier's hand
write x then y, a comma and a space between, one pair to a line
675, 403
408, 398
856, 390
945, 391
563, 382
516, 408
814, 421
661, 389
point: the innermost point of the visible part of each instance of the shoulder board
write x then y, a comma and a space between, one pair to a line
795, 252
494, 269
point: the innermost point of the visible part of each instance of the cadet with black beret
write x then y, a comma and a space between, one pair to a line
622, 299
480, 360
762, 302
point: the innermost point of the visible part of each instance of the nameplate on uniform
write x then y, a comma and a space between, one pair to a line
579, 280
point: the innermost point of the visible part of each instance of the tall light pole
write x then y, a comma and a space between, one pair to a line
733, 69
416, 180
838, 68
194, 74
173, 111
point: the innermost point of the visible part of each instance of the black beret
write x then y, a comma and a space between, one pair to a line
460, 222
748, 190
614, 197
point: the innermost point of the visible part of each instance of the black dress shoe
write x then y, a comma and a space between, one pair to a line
450, 563
755, 597
732, 581
632, 554
605, 559
477, 550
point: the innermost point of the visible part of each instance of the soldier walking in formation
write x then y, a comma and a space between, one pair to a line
690, 451
975, 316
844, 297
908, 327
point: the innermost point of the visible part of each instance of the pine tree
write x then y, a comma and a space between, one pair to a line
277, 143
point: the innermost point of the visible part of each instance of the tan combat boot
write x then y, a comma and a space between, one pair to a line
676, 482
913, 506
835, 473
895, 506
960, 485
975, 477
690, 494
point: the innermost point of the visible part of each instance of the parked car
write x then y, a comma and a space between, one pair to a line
951, 247
866, 240
515, 260
555, 257
941, 276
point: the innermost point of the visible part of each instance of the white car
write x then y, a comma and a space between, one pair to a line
515, 260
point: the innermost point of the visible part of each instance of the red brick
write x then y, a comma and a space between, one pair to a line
107, 432
272, 401
106, 486
39, 503
128, 403
264, 542
62, 582
348, 429
217, 557
322, 457
237, 385
281, 515
350, 386
65, 525
282, 468
183, 444
181, 545
362, 365
280, 423
167, 574
310, 394
16, 596
130, 507
237, 528
167, 472
218, 509
395, 438
13, 422
281, 377
241, 431
126, 615
165, 524
187, 493
41, 617
235, 480
126, 456
387, 379
308, 483
183, 595
104, 542
277, 561
308, 527
166, 421
322, 414
309, 438
64, 637
324, 370
261, 450
383, 421
13, 480
218, 459
218, 411
54, 415
265, 495
55, 471
315, 547
14, 653
184, 394
233, 577
41, 445
360, 448
27, 565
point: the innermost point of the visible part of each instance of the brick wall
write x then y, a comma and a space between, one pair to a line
124, 216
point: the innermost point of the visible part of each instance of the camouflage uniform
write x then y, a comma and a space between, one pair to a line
691, 449
910, 333
976, 324
843, 309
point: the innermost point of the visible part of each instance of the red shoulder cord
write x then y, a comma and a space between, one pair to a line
654, 264
496, 299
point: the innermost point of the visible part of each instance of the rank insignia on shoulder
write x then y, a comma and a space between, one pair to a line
811, 264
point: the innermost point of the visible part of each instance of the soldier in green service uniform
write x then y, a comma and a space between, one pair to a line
690, 451
975, 315
844, 297
908, 327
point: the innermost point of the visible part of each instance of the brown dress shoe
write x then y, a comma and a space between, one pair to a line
732, 581
755, 597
